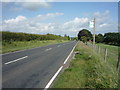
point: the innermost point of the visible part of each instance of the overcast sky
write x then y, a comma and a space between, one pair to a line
59, 17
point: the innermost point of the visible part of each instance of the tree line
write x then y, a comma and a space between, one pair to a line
111, 38
15, 36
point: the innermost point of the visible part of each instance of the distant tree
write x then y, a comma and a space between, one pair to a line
65, 35
84, 39
15, 36
73, 38
68, 37
99, 38
112, 38
59, 35
86, 33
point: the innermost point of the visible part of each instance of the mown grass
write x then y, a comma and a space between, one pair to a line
87, 70
21, 45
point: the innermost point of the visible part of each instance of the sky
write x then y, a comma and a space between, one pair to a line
59, 18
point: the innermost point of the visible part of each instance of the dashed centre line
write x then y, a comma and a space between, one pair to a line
58, 45
48, 49
16, 60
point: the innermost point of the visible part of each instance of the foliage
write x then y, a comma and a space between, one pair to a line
99, 38
88, 70
86, 33
67, 37
84, 39
112, 38
74, 38
13, 36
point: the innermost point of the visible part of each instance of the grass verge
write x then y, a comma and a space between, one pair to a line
21, 45
87, 70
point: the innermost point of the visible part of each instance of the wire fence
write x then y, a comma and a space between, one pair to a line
107, 53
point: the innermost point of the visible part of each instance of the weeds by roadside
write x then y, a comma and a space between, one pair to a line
87, 70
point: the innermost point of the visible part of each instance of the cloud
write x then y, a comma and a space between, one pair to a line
49, 15
75, 25
77, 20
35, 25
31, 25
33, 6
38, 25
16, 20
103, 25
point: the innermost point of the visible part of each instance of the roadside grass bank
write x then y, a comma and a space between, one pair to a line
21, 45
87, 70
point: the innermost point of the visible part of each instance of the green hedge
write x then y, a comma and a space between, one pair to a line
15, 36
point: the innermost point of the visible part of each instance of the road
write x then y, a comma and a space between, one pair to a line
35, 67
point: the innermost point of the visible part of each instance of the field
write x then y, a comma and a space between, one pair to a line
89, 70
112, 53
21, 45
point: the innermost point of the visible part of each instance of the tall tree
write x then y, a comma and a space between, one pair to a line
86, 33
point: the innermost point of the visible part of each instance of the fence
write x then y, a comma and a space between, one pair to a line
107, 53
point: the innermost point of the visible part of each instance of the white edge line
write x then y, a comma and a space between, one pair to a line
16, 60
55, 75
69, 54
52, 79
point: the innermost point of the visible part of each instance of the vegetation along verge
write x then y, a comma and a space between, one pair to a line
87, 70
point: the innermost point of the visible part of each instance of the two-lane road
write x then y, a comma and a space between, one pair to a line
34, 68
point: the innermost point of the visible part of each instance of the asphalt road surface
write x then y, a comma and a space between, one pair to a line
35, 67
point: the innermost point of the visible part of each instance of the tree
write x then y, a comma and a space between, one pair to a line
68, 37
86, 33
73, 38
99, 38
84, 39
112, 38
65, 35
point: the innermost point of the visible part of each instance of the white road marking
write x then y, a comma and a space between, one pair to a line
52, 79
70, 54
48, 49
58, 45
22, 50
55, 75
16, 60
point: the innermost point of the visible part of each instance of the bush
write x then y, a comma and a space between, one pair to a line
14, 36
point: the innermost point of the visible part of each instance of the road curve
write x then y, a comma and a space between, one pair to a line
35, 67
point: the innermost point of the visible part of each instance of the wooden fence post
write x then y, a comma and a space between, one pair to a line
105, 56
118, 63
